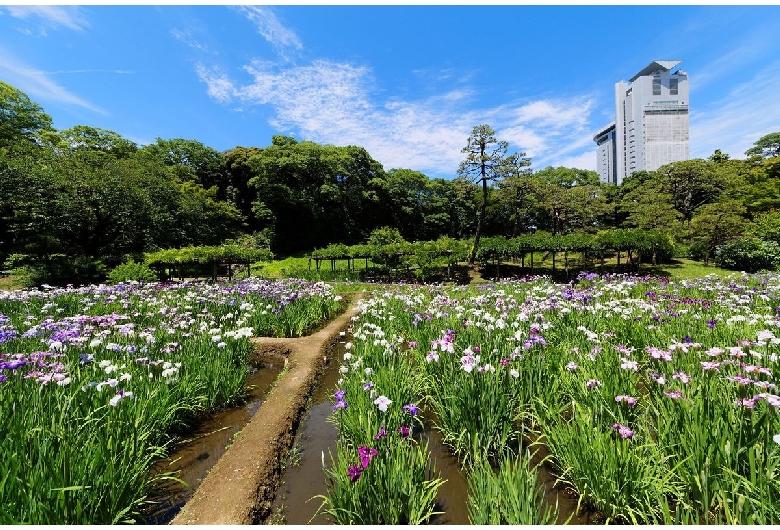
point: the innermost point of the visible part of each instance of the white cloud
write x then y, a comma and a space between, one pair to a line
38, 85
271, 28
218, 85
586, 160
187, 38
336, 103
733, 124
93, 71
53, 16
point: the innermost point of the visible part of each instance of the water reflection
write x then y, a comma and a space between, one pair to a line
208, 442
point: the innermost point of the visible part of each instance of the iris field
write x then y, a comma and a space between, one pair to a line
95, 383
655, 401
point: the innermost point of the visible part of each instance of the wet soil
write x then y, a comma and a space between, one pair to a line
297, 501
195, 456
241, 486
272, 472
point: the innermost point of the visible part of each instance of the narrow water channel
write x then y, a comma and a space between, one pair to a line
304, 479
194, 457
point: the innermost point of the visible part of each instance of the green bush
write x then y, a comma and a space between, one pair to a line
54, 269
767, 226
132, 271
749, 255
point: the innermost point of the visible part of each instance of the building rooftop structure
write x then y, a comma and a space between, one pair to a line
654, 66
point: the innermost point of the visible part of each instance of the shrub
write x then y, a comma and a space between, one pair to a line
749, 255
132, 271
767, 226
54, 269
385, 236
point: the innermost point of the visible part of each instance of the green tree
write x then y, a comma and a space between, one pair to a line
768, 146
203, 219
486, 161
715, 224
516, 189
421, 208
645, 203
718, 157
22, 121
452, 207
192, 161
409, 195
762, 184
311, 195
85, 138
767, 226
385, 235
239, 173
567, 177
691, 183
570, 198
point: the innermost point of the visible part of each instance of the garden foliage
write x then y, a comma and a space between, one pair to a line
657, 401
96, 382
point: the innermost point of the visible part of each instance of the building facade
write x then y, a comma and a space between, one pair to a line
651, 123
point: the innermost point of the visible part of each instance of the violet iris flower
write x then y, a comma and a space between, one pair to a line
411, 408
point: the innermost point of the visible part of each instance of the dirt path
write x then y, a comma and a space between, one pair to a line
240, 488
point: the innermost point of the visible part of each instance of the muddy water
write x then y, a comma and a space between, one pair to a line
452, 497
194, 457
303, 479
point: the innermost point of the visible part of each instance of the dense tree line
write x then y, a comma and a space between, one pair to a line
75, 203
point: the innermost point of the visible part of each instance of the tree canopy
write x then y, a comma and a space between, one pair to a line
78, 201
21, 120
767, 146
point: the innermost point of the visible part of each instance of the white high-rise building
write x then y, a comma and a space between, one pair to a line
651, 123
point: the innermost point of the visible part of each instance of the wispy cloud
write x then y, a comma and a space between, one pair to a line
54, 17
751, 47
189, 39
38, 85
93, 71
218, 85
586, 160
733, 124
272, 29
329, 102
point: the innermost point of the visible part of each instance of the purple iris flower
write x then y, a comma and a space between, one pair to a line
366, 454
411, 408
623, 431
354, 472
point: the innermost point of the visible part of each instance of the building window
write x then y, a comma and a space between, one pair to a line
656, 86
673, 83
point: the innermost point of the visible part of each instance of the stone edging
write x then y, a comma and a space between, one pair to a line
241, 486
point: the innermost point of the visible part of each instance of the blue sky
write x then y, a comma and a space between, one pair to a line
406, 82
